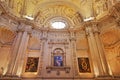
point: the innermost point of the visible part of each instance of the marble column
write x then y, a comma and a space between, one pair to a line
97, 65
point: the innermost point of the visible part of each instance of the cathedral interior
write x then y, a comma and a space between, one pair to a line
59, 39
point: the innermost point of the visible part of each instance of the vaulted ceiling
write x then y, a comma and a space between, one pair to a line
32, 7
44, 11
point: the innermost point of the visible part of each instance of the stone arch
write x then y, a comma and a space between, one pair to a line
63, 2
69, 11
58, 49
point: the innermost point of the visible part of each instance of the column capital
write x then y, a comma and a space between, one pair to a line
73, 39
24, 28
92, 27
44, 39
72, 35
88, 30
44, 34
96, 29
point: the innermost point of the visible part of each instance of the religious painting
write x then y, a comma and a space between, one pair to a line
32, 64
58, 61
84, 65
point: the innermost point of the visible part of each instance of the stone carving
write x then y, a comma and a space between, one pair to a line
101, 6
7, 36
53, 11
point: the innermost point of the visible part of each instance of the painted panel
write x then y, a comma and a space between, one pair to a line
32, 64
58, 61
84, 65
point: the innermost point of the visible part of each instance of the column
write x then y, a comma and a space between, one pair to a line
101, 50
20, 58
22, 52
14, 52
97, 66
73, 52
43, 53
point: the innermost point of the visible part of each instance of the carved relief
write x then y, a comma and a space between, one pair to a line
101, 6
18, 6
53, 11
6, 36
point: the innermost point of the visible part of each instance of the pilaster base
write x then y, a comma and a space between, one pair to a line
9, 77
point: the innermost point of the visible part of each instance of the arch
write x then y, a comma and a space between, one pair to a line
62, 2
58, 49
66, 19
68, 13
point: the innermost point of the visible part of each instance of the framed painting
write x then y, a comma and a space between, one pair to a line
58, 61
32, 64
84, 65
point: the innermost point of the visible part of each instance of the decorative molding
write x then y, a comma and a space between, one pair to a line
52, 68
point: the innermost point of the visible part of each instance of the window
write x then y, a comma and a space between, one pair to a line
58, 25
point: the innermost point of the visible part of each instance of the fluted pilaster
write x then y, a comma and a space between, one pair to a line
73, 51
97, 53
43, 52
19, 50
